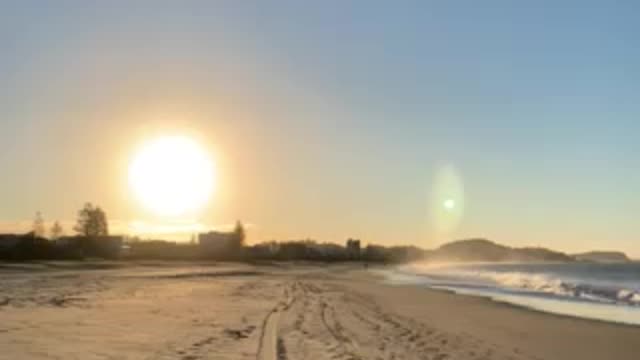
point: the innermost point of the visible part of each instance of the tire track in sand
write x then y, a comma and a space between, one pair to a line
332, 322
270, 346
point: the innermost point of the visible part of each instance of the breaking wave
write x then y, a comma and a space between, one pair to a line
614, 285
550, 284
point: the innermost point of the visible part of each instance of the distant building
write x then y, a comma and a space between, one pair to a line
265, 250
24, 247
160, 249
67, 241
216, 243
9, 241
28, 246
109, 247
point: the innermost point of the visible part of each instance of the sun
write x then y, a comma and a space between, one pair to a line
172, 175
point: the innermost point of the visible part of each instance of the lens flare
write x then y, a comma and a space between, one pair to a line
449, 204
446, 201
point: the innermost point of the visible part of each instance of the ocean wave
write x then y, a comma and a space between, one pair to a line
529, 282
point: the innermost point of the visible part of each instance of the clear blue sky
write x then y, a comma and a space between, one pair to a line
332, 119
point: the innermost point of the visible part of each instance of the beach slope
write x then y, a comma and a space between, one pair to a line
282, 311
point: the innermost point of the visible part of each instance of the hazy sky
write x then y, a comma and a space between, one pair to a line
335, 119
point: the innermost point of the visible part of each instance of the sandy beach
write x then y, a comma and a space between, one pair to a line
277, 311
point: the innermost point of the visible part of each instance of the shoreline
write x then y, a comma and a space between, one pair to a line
377, 272
490, 300
534, 290
521, 307
542, 334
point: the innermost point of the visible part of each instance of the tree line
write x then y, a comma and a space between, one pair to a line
92, 227
91, 221
91, 224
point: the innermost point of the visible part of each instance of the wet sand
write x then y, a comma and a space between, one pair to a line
235, 311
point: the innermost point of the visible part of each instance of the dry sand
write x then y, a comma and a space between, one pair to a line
229, 311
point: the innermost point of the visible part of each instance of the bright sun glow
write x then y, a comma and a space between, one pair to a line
172, 175
449, 204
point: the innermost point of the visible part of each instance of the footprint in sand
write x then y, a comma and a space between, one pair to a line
240, 333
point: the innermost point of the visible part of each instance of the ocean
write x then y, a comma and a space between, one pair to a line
607, 292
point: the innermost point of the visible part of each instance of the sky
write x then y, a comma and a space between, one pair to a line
408, 122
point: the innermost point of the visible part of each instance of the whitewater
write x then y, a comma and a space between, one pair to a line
607, 292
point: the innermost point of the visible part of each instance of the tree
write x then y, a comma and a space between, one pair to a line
38, 225
92, 221
239, 235
56, 231
353, 248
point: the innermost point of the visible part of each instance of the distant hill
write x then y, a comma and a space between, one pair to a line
602, 256
483, 250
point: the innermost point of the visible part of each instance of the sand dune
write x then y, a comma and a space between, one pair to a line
289, 312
